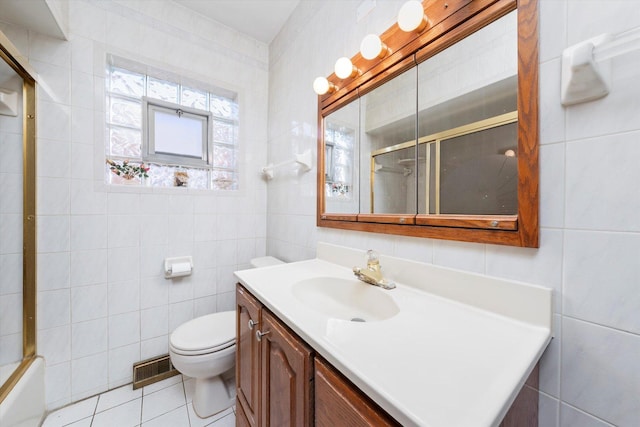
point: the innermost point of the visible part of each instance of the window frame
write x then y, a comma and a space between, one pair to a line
148, 152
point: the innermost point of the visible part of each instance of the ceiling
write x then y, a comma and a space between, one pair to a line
260, 19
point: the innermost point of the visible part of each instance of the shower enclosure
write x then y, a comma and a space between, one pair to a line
17, 218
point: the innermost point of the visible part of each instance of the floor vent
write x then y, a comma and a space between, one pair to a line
152, 370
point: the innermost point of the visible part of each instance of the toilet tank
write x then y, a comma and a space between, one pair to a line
265, 261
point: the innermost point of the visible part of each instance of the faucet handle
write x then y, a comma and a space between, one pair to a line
372, 257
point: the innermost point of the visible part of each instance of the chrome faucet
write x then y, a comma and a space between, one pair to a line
373, 273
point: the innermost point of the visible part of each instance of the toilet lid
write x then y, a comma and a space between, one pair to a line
210, 332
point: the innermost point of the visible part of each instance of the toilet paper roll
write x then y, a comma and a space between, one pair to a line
180, 269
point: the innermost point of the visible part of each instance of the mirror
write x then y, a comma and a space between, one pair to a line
441, 143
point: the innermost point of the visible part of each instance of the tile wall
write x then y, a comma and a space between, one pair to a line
590, 227
103, 302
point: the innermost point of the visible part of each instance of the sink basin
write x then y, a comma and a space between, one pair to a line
346, 299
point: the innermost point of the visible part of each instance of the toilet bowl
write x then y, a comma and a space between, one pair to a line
205, 349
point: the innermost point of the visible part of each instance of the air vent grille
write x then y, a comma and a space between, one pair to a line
152, 370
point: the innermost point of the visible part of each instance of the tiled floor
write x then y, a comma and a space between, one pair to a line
163, 404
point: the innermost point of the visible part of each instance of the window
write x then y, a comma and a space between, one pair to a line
184, 132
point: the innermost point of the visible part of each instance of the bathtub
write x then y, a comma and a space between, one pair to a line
25, 405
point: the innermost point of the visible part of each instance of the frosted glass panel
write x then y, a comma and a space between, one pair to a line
194, 98
127, 83
178, 134
126, 113
223, 157
223, 107
163, 90
223, 132
125, 142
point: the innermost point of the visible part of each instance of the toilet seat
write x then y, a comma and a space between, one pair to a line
205, 334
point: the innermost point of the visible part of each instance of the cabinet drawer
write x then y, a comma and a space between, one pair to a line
338, 402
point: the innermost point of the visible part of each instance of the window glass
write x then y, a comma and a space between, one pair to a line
178, 134
196, 149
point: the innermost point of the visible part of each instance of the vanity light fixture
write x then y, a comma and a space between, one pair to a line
372, 47
323, 86
344, 68
411, 17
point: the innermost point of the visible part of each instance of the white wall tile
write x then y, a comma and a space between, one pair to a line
88, 267
121, 361
53, 196
88, 338
124, 231
60, 375
11, 234
603, 201
11, 277
124, 329
154, 347
538, 266
205, 305
52, 233
572, 417
88, 302
179, 313
154, 322
56, 124
154, 291
85, 200
124, 264
460, 255
54, 82
54, 345
548, 411
88, 375
88, 232
154, 230
601, 278
82, 126
600, 371
82, 161
123, 297
54, 161
54, 308
53, 271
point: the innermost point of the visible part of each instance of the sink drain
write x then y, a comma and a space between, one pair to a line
357, 319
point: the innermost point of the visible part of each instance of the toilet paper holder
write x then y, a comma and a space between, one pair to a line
178, 267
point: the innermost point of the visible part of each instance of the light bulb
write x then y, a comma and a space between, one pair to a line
372, 47
411, 17
344, 68
321, 85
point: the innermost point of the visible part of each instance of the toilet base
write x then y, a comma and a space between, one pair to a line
212, 395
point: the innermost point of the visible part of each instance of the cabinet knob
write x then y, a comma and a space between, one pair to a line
251, 323
259, 334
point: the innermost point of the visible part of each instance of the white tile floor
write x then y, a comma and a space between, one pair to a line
163, 404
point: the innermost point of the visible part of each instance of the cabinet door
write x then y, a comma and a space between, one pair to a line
338, 402
247, 354
286, 377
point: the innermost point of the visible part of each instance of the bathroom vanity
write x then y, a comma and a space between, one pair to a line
444, 348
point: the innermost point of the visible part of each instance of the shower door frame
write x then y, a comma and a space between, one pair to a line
13, 58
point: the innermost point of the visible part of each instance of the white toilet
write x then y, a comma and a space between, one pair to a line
205, 348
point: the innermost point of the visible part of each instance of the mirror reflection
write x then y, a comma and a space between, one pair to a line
387, 147
440, 138
341, 131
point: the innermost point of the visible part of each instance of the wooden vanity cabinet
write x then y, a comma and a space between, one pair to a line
274, 369
338, 402
280, 382
247, 357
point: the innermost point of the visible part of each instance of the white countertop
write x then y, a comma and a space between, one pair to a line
442, 361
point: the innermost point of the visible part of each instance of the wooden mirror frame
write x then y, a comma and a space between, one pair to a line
449, 22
